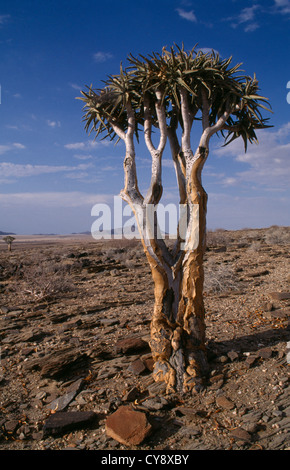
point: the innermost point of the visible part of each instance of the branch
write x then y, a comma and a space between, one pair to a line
186, 118
155, 191
120, 133
161, 117
130, 193
179, 168
218, 126
148, 125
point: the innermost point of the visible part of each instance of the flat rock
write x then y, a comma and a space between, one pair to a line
59, 363
131, 345
225, 402
241, 434
233, 355
250, 360
258, 273
59, 404
137, 367
265, 353
62, 422
155, 403
280, 295
281, 313
127, 426
11, 426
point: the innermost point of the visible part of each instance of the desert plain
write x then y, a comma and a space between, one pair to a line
74, 346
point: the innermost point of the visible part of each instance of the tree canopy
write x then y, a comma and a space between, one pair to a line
207, 82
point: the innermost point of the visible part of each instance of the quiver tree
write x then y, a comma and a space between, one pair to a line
169, 92
8, 239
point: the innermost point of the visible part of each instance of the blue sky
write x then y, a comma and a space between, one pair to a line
52, 173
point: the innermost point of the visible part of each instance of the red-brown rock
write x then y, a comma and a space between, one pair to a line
128, 426
131, 345
65, 421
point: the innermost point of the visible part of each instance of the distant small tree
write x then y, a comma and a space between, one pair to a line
170, 92
8, 239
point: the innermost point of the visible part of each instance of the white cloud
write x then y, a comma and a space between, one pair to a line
187, 15
283, 6
229, 181
247, 18
12, 170
53, 124
4, 18
251, 27
83, 157
102, 56
268, 162
75, 86
208, 50
90, 145
10, 147
247, 14
53, 199
75, 146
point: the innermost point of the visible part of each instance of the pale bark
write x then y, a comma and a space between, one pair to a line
178, 322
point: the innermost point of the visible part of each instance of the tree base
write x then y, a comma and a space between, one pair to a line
180, 379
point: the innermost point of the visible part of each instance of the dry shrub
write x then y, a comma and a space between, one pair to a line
217, 237
9, 269
276, 235
44, 282
219, 278
255, 246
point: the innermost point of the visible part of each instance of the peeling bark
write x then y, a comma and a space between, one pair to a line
178, 323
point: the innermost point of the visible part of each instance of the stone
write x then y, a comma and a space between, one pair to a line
59, 363
76, 386
233, 355
267, 306
250, 361
281, 313
131, 345
63, 422
265, 353
148, 360
241, 434
4, 309
155, 403
59, 404
258, 273
127, 426
280, 295
109, 321
137, 367
11, 426
225, 402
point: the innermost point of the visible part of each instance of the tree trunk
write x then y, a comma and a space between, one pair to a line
178, 322
178, 326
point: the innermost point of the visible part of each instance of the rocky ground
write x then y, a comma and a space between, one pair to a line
74, 330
